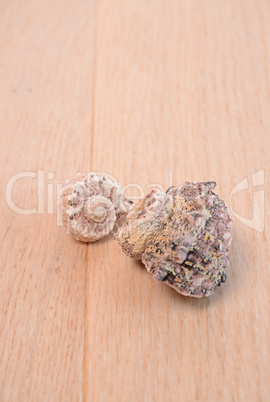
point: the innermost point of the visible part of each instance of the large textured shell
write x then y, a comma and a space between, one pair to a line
182, 237
91, 203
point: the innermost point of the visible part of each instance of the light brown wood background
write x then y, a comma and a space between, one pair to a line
136, 89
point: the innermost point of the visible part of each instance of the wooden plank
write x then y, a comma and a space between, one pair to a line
46, 64
181, 85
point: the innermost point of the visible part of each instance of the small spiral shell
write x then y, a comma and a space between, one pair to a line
91, 204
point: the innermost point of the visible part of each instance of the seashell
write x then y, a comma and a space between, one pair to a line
182, 237
91, 203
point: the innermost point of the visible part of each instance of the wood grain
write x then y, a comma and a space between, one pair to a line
45, 123
152, 93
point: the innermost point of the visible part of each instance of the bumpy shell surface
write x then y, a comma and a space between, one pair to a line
91, 204
182, 237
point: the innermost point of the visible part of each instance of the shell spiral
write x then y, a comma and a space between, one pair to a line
91, 203
182, 237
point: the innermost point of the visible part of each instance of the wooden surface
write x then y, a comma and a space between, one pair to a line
149, 92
